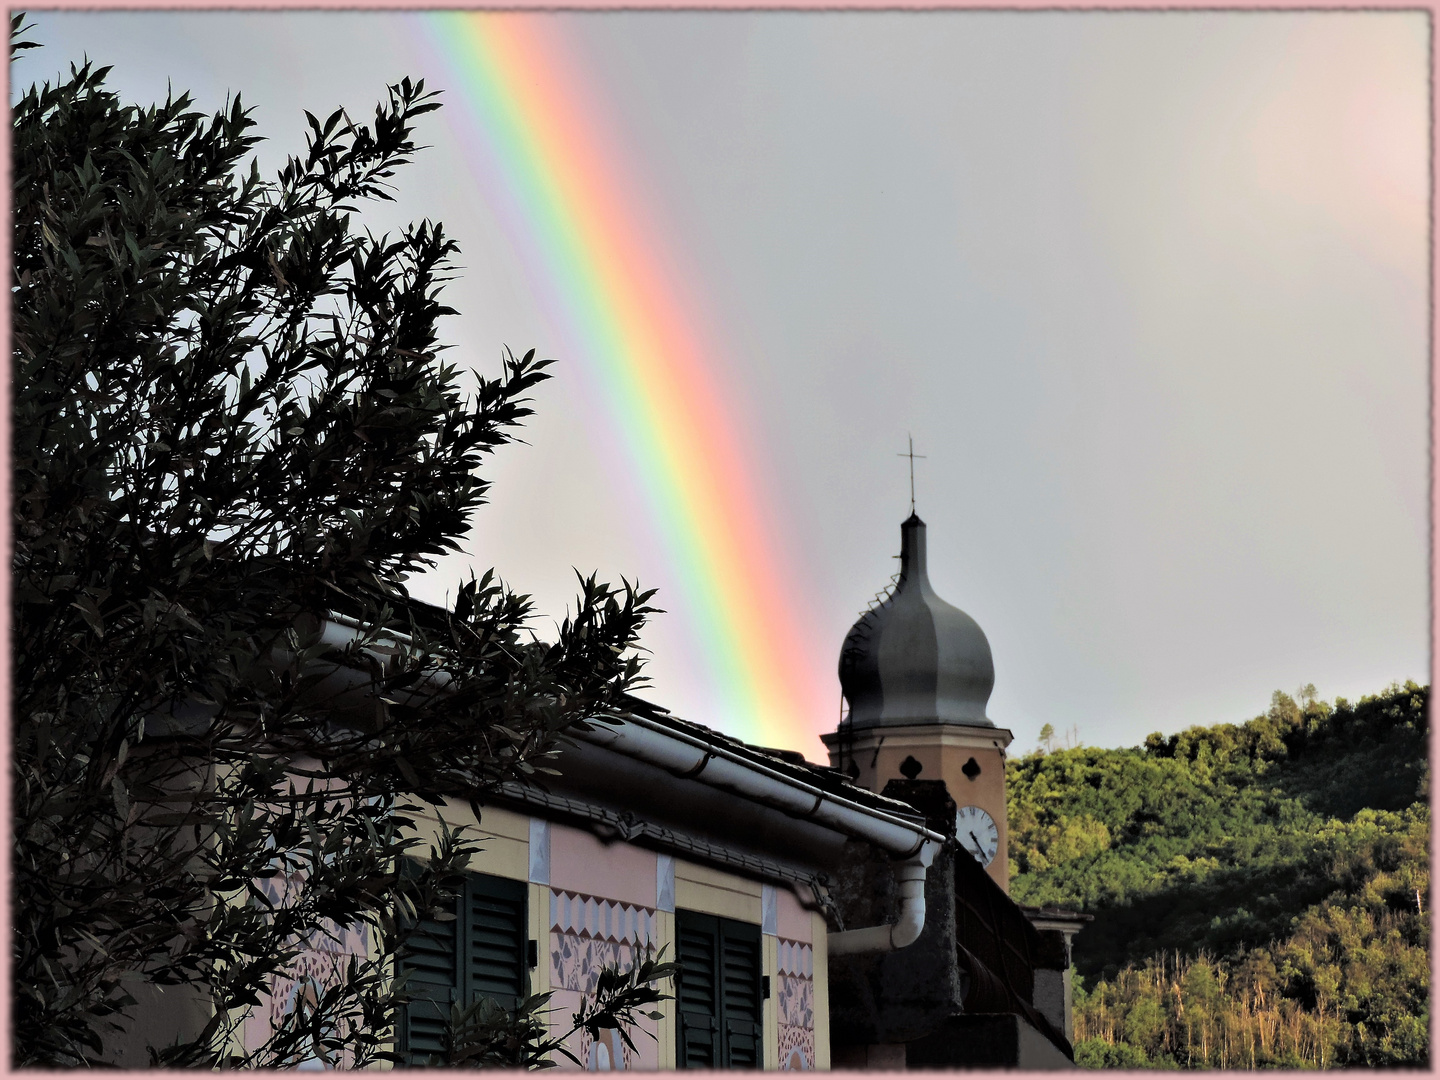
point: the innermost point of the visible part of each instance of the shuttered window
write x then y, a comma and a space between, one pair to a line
433, 985
479, 953
494, 947
718, 993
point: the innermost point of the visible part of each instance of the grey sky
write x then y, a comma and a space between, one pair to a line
1150, 291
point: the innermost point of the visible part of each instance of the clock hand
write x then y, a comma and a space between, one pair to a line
978, 846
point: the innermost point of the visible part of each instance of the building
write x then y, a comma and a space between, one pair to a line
987, 983
656, 834
661, 834
851, 915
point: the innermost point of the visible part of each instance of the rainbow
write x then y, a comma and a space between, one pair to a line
532, 138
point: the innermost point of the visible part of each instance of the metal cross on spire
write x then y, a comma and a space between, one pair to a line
912, 456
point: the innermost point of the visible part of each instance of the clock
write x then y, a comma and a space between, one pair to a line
976, 831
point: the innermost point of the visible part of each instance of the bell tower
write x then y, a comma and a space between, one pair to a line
917, 674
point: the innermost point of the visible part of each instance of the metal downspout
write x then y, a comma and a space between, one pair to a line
910, 873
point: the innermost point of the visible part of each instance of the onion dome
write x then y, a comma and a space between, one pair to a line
913, 658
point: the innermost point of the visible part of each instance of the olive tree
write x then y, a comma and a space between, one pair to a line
232, 422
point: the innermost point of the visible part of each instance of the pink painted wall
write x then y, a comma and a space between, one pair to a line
791, 919
581, 863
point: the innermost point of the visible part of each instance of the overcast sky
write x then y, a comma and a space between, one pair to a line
1149, 290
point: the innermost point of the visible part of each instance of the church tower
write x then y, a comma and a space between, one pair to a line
917, 674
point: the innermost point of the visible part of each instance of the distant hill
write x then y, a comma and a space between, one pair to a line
1258, 889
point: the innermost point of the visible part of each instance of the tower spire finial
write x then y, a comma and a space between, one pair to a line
912, 456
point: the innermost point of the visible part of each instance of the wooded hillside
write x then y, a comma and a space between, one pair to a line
1260, 891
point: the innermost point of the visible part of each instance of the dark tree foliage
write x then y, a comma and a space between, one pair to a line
229, 419
483, 1034
1260, 891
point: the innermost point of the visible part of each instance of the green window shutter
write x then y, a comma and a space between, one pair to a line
740, 995
495, 936
434, 985
697, 991
480, 953
718, 995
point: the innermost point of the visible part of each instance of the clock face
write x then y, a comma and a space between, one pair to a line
976, 831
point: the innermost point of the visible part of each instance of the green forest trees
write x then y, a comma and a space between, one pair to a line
1260, 891
1348, 985
230, 417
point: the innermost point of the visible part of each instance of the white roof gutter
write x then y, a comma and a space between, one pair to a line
912, 845
693, 758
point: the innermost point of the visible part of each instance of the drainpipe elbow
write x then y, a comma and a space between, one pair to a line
910, 874
912, 904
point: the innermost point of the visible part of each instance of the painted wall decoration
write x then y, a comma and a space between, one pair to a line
320, 965
795, 999
588, 934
